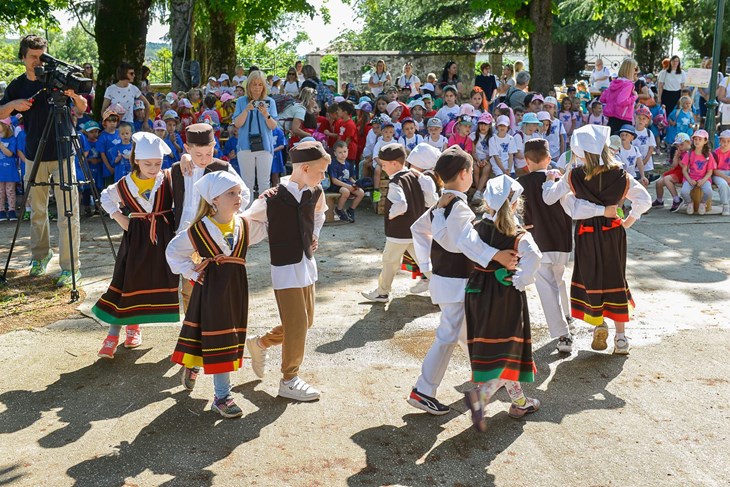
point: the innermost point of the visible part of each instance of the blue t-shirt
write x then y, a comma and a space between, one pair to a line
80, 122
137, 125
93, 157
104, 144
123, 167
279, 140
9, 172
257, 124
174, 156
232, 145
340, 171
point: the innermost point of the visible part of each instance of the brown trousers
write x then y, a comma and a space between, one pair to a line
296, 310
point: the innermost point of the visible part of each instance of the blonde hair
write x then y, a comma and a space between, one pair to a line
506, 221
685, 97
204, 209
628, 68
593, 164
257, 76
6, 130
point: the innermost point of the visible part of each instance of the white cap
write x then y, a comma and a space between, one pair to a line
542, 116
223, 77
149, 146
428, 87
216, 183
417, 103
424, 156
503, 120
330, 82
615, 142
725, 134
497, 192
551, 99
339, 99
392, 106
275, 79
590, 138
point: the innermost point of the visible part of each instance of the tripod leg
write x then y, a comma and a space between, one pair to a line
66, 184
31, 182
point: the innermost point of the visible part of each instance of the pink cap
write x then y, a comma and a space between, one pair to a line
226, 97
725, 134
159, 125
538, 96
392, 106
486, 118
503, 120
543, 116
184, 103
701, 133
466, 109
6, 121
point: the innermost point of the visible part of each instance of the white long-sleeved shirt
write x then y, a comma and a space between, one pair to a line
399, 204
180, 250
553, 191
192, 197
530, 258
304, 272
455, 234
112, 202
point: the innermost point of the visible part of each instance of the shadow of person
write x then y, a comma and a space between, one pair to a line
103, 390
183, 442
381, 323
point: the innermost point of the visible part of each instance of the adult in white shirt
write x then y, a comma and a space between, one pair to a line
601, 76
379, 79
670, 84
125, 94
723, 96
291, 83
298, 66
239, 77
408, 83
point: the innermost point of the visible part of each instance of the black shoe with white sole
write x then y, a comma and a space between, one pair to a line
427, 403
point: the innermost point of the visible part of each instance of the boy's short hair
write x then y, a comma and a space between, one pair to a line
333, 108
537, 150
393, 152
339, 145
126, 125
209, 101
347, 107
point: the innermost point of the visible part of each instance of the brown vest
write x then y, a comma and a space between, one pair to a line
605, 189
291, 225
178, 185
494, 238
551, 225
400, 226
445, 263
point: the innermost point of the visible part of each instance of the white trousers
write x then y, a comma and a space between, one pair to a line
255, 166
451, 330
722, 188
553, 292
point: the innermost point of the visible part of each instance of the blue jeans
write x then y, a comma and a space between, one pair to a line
222, 385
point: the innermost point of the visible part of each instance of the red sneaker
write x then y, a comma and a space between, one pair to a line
134, 337
109, 347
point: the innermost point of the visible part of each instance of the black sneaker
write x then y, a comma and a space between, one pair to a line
190, 376
226, 407
341, 215
675, 206
657, 204
426, 403
351, 215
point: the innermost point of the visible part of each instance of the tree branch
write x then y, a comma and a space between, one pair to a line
81, 23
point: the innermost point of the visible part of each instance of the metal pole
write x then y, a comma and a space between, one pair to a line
710, 124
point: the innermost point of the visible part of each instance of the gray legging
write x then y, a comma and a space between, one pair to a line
706, 192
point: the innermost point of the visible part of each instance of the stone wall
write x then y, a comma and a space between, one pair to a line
352, 65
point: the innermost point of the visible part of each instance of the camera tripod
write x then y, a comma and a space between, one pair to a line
67, 143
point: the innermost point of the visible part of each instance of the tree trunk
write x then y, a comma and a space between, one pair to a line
121, 35
222, 43
540, 46
181, 22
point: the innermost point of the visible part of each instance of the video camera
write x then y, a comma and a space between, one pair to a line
61, 76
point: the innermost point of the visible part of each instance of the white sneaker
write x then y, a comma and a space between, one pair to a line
565, 344
298, 390
375, 297
702, 208
690, 208
258, 356
600, 335
725, 210
621, 346
420, 287
478, 197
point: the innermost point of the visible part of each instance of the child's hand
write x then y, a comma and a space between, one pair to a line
201, 277
118, 158
645, 181
611, 211
122, 220
315, 244
445, 199
269, 192
186, 165
508, 258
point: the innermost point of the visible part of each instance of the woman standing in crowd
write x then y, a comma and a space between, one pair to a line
671, 82
300, 119
601, 76
255, 117
325, 98
620, 96
124, 93
450, 77
409, 84
379, 79
487, 82
291, 83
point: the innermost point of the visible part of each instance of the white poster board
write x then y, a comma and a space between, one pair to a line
698, 77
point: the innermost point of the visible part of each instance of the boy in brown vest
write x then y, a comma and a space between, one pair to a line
294, 213
409, 194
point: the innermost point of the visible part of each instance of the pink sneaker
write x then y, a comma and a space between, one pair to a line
134, 337
109, 347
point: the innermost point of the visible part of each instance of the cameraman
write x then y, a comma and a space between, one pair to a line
25, 94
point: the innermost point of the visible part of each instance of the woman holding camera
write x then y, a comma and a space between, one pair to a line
255, 117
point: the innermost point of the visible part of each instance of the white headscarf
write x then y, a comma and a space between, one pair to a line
498, 190
216, 183
149, 146
590, 138
424, 156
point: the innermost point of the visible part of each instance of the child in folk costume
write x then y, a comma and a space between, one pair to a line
598, 287
446, 246
212, 254
409, 194
143, 290
497, 318
551, 226
294, 213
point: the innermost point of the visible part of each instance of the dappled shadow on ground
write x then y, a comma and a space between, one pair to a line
182, 444
405, 455
381, 323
